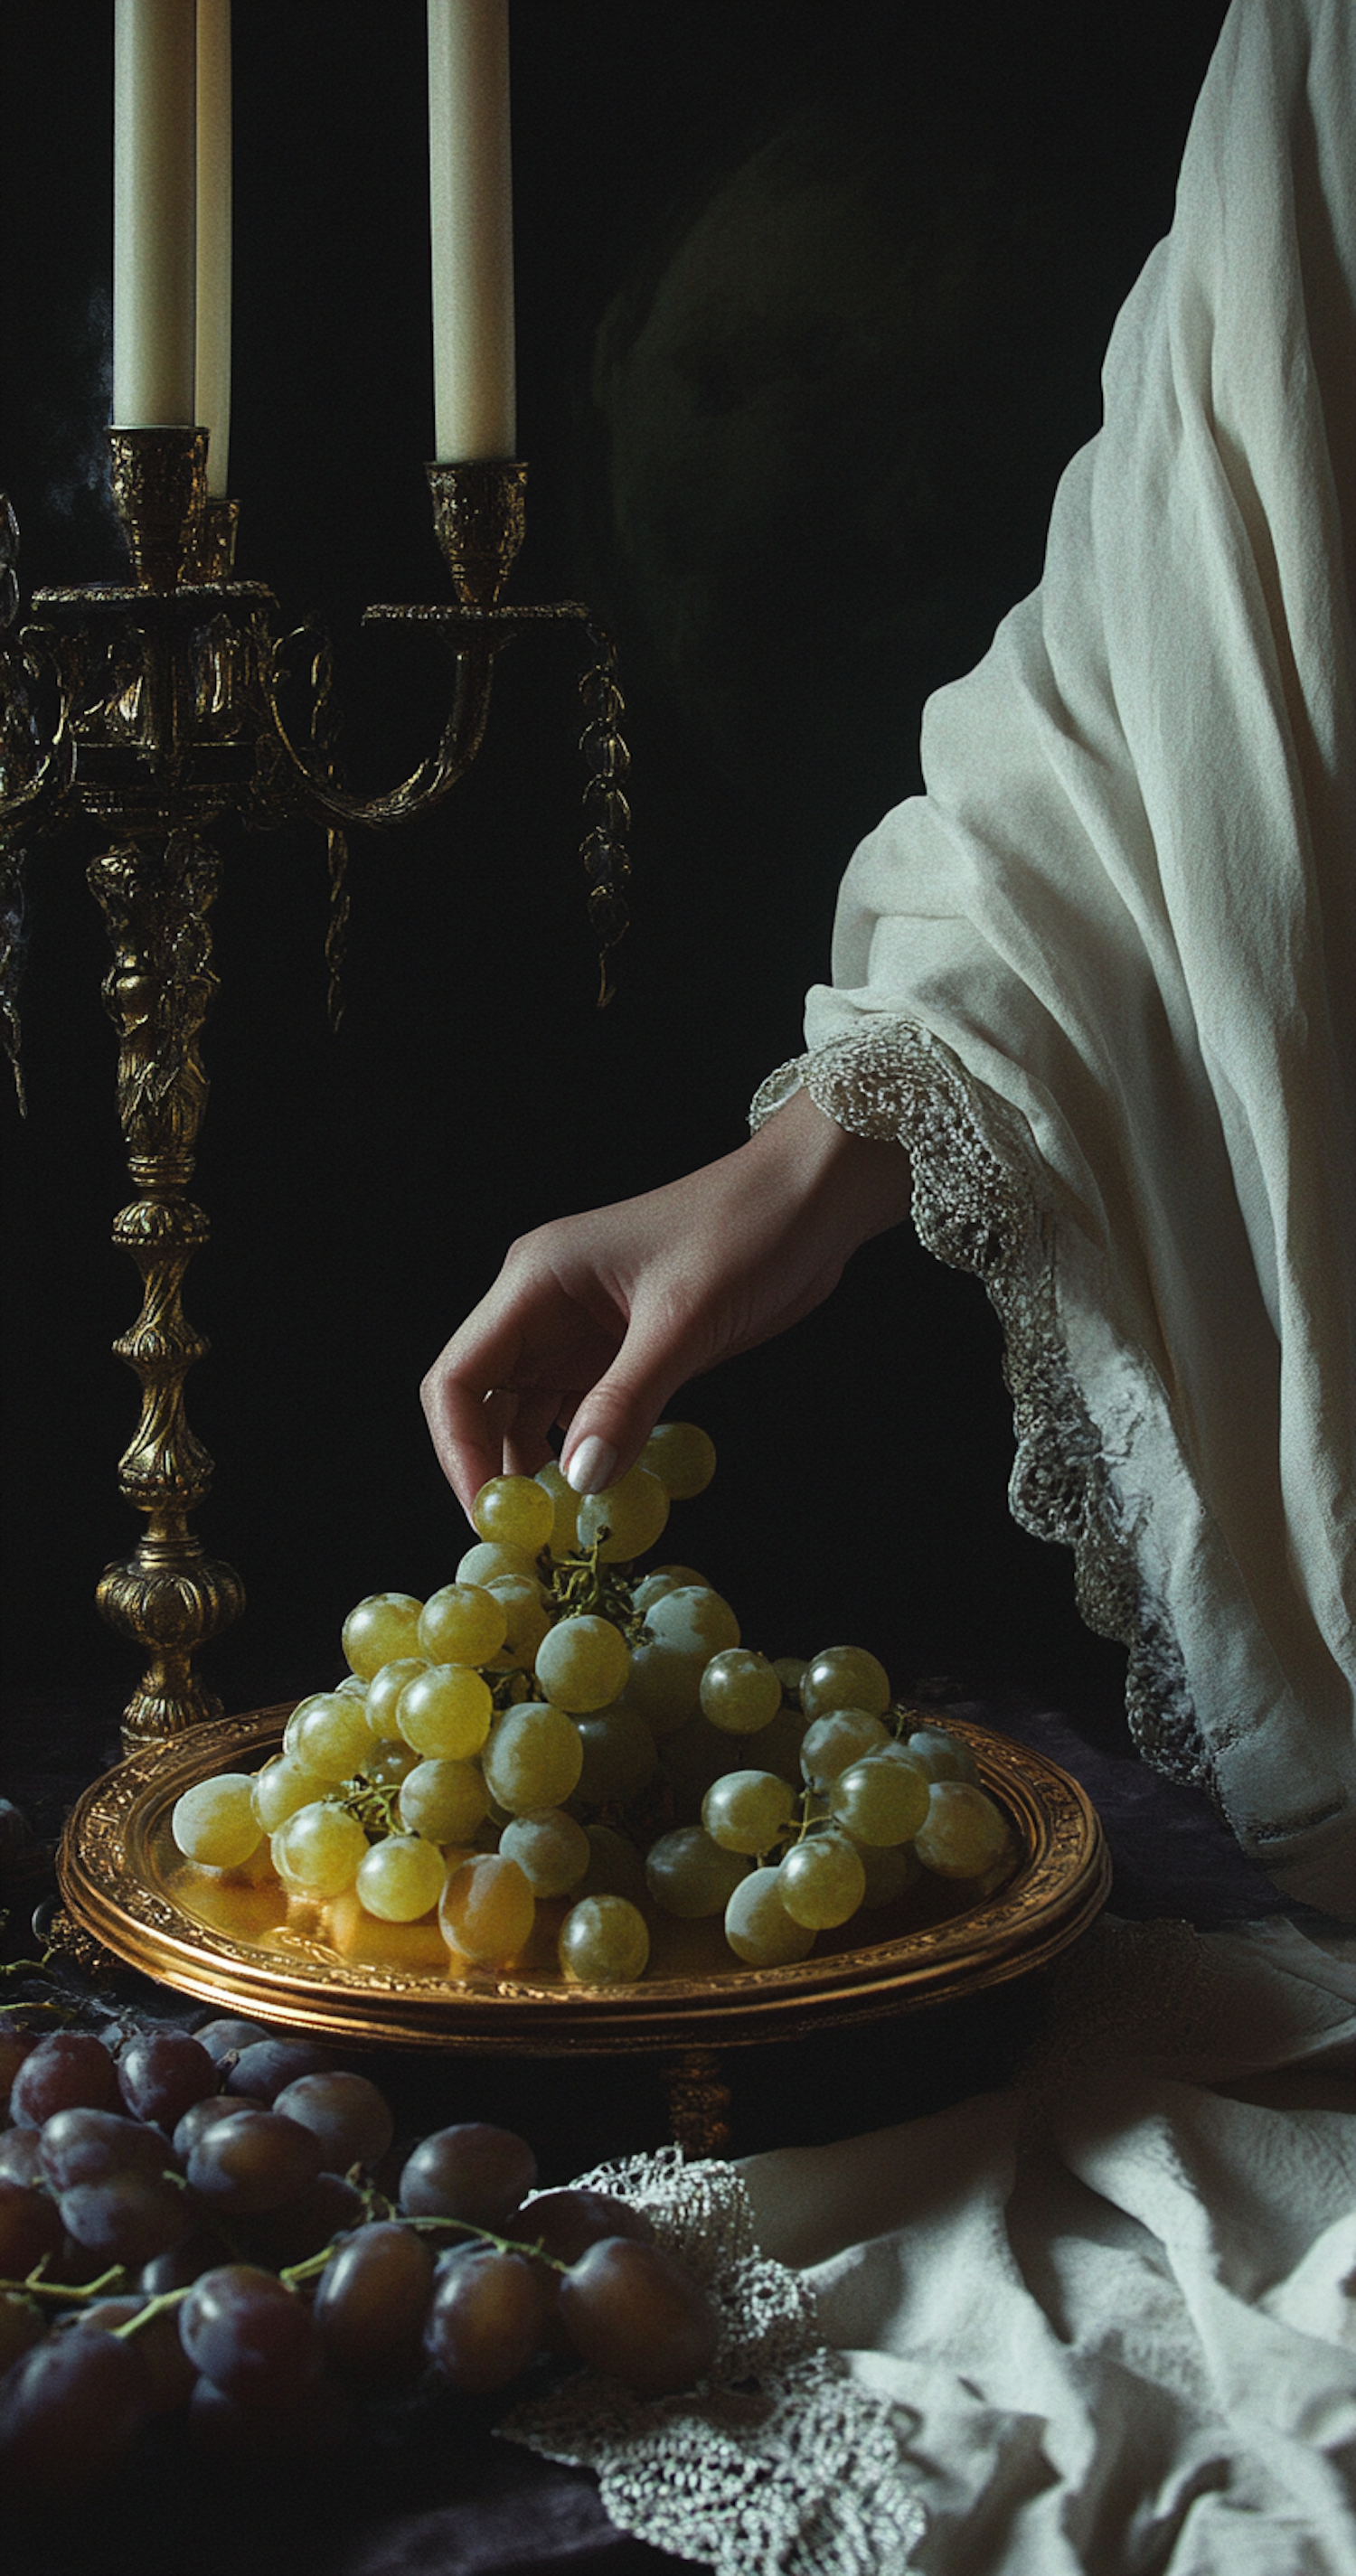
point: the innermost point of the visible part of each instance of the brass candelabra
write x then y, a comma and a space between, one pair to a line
155, 710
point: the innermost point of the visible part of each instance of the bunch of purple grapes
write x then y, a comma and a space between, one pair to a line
214, 2227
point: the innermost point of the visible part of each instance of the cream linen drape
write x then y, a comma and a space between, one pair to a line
1101, 978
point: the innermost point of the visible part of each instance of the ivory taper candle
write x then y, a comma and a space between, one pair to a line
212, 371
154, 212
471, 218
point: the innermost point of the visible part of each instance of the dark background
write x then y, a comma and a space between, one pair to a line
811, 306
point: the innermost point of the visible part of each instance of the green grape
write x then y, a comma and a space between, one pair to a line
844, 1677
620, 1755
462, 1624
964, 1834
515, 1509
388, 1764
383, 1625
682, 1456
564, 1538
692, 1620
533, 1758
487, 1910
830, 1744
779, 1744
582, 1664
666, 1578
740, 1692
445, 1712
318, 1850
665, 1686
790, 1671
303, 1709
527, 1616
942, 1755
891, 1869
353, 1686
551, 1849
625, 1518
490, 1559
689, 1874
444, 1800
279, 1789
216, 1821
384, 1690
758, 1927
684, 1628
615, 1867
746, 1811
880, 1800
329, 1736
401, 1878
821, 1881
604, 1941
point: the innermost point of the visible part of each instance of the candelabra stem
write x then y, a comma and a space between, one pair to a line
156, 891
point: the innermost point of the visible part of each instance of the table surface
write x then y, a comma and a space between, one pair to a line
434, 2490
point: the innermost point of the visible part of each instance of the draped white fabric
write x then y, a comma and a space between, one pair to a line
1114, 2311
1126, 911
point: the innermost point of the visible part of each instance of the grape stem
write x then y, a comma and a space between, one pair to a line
314, 2264
66, 2293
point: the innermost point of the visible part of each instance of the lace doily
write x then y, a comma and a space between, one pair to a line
975, 1207
778, 2461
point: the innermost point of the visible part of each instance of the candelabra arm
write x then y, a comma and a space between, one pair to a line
308, 780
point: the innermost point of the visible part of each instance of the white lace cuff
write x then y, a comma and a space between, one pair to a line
976, 1205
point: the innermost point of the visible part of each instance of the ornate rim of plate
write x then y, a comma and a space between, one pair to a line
117, 1868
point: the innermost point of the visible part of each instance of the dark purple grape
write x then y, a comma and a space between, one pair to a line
250, 2335
484, 2328
204, 2115
71, 2406
83, 2146
168, 2367
316, 2425
567, 2222
68, 2070
162, 2072
15, 2046
634, 2313
30, 2226
19, 2157
327, 2209
267, 2065
227, 2036
126, 2217
373, 2298
20, 2328
349, 2116
184, 2261
470, 2171
241, 2166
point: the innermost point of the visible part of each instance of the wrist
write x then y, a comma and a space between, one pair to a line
866, 1179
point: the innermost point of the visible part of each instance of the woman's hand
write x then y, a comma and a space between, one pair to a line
595, 1320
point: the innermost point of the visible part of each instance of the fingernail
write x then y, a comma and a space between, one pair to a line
590, 1469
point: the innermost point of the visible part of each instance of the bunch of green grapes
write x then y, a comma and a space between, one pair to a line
552, 1728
